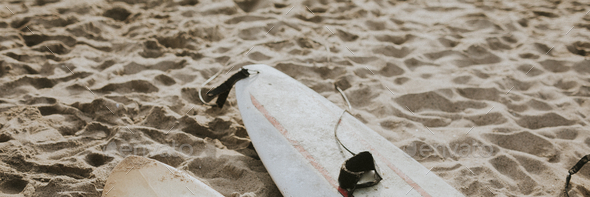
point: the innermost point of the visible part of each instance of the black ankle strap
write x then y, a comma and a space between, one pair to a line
353, 169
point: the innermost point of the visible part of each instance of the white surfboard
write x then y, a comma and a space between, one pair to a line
142, 177
292, 129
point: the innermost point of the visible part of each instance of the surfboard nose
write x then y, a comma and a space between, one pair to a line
137, 176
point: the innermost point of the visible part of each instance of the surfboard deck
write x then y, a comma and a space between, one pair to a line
292, 128
142, 177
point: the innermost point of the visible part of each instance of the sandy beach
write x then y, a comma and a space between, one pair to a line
492, 96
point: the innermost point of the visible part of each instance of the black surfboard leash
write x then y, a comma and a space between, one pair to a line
355, 167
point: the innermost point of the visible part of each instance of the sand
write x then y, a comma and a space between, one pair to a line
499, 89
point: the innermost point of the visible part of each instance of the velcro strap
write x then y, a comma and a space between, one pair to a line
579, 165
573, 171
353, 169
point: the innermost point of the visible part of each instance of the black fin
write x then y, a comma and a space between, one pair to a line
222, 91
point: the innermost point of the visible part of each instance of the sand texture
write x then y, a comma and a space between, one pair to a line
85, 83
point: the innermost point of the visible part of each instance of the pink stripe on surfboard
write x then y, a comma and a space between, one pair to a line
295, 144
